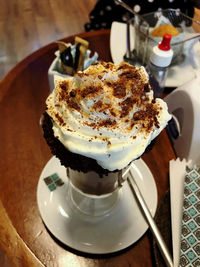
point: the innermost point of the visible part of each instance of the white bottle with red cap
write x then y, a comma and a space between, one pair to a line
160, 59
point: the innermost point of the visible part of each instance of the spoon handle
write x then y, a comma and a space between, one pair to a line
124, 5
152, 225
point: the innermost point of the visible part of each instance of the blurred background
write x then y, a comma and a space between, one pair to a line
27, 25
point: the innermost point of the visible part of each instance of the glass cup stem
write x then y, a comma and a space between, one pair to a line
92, 205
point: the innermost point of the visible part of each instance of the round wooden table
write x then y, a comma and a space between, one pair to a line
24, 153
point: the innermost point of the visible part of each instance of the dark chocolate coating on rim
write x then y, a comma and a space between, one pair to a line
69, 159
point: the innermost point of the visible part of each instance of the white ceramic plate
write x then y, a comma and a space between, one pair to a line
177, 75
112, 232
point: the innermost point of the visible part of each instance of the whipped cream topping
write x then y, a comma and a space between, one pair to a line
107, 113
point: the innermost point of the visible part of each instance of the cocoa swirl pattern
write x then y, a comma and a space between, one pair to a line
107, 113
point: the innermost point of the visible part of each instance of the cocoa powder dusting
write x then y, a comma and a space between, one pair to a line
98, 105
147, 87
91, 91
149, 115
63, 85
119, 90
106, 123
126, 106
63, 95
130, 74
131, 90
112, 112
72, 93
72, 104
60, 119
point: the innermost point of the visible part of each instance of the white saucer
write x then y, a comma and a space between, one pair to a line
96, 235
177, 75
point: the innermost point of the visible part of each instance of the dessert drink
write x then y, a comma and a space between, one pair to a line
100, 120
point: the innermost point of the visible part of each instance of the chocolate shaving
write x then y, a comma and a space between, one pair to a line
63, 85
126, 106
149, 115
72, 104
91, 91
119, 90
60, 119
72, 93
106, 123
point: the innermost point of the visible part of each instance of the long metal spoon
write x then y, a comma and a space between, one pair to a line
121, 3
152, 225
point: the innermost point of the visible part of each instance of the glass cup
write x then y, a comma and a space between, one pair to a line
91, 194
145, 24
141, 39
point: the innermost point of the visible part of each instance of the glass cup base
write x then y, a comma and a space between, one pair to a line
92, 205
